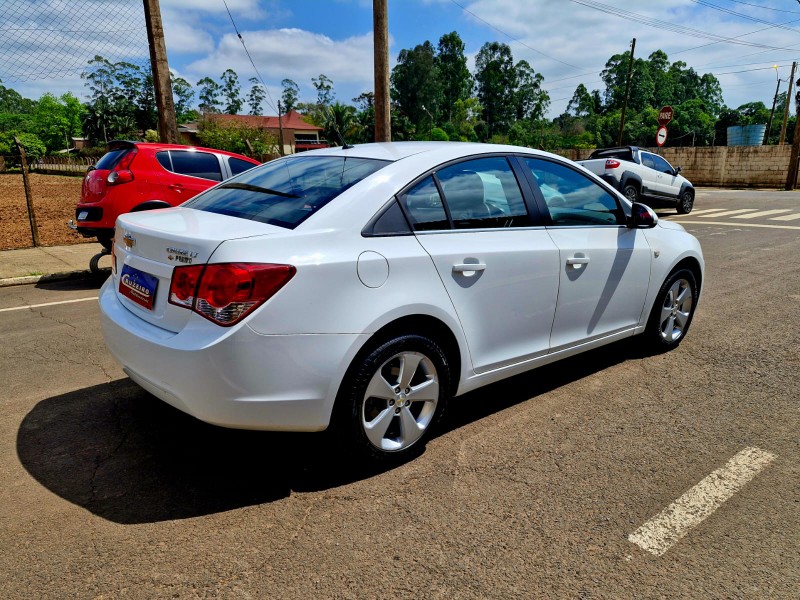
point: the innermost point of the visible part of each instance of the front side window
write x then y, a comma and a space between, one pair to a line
483, 193
285, 192
572, 198
647, 160
662, 165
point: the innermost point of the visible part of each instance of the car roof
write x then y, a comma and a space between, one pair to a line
163, 146
436, 151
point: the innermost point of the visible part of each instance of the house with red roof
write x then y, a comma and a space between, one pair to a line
298, 134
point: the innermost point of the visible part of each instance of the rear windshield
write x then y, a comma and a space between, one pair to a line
110, 159
621, 153
285, 192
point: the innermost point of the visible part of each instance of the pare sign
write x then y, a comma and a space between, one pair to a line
665, 115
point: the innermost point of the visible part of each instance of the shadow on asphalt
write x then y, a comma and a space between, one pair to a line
86, 282
126, 456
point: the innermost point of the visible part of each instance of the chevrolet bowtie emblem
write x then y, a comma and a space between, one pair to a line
129, 240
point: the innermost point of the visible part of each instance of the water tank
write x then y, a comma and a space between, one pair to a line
747, 135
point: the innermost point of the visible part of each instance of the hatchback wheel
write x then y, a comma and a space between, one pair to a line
394, 398
686, 202
673, 311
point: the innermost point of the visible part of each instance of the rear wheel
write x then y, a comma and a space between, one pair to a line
686, 202
631, 193
394, 397
673, 311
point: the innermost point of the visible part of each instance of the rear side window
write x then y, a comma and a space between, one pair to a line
238, 165
110, 159
285, 192
647, 160
196, 164
483, 193
425, 207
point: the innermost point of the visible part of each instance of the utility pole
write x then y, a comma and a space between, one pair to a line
772, 112
788, 102
281, 151
627, 92
791, 175
380, 26
167, 121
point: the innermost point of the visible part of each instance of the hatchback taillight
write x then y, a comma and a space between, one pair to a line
227, 292
122, 171
612, 164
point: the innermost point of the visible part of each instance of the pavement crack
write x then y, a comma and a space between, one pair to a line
59, 321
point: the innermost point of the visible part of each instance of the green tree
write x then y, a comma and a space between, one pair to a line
231, 91
416, 87
582, 103
451, 65
256, 96
234, 137
290, 95
365, 115
56, 120
324, 86
209, 95
12, 102
496, 81
530, 100
182, 95
341, 119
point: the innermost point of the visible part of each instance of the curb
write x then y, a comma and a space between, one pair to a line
66, 276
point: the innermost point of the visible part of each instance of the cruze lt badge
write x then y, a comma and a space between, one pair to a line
180, 255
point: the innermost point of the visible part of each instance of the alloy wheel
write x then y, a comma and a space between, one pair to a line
676, 310
400, 401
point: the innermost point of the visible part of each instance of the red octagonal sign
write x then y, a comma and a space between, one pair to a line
665, 116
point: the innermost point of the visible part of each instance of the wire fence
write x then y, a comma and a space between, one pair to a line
55, 39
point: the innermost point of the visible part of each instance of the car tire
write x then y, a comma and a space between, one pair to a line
686, 202
631, 193
384, 413
672, 312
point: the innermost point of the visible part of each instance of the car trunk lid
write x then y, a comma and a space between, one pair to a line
149, 245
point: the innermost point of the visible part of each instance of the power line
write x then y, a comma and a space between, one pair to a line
741, 15
255, 68
668, 26
513, 39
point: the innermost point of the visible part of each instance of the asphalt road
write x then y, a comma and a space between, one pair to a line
531, 491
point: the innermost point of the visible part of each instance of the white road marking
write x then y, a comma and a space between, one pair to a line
730, 212
29, 306
728, 224
708, 210
792, 217
661, 532
763, 213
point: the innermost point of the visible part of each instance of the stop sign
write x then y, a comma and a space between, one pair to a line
665, 116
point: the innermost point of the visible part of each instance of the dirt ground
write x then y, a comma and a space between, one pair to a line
54, 200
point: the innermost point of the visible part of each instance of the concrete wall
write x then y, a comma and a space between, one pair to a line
722, 166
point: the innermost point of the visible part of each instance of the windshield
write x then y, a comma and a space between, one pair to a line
285, 192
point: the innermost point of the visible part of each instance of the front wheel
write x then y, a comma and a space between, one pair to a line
686, 202
673, 311
394, 397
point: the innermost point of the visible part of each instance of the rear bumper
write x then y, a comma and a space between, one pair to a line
231, 377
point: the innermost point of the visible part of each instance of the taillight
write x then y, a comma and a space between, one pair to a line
227, 292
612, 164
122, 171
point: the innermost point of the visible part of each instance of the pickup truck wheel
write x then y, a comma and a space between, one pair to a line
631, 193
686, 202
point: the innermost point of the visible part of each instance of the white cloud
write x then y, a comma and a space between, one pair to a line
296, 54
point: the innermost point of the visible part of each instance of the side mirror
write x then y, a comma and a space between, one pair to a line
677, 170
642, 217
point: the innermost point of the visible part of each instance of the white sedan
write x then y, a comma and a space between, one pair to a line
362, 288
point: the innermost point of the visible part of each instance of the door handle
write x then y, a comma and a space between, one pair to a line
468, 267
578, 261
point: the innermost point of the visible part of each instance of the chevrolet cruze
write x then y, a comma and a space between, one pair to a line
362, 288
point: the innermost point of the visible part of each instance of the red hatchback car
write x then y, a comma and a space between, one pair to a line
134, 176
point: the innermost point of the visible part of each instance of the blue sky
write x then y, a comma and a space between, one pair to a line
568, 41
